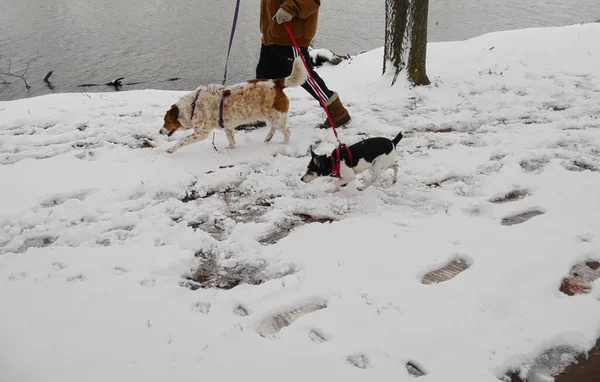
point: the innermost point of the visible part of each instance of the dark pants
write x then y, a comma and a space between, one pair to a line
276, 61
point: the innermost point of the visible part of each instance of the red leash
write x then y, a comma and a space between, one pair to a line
335, 170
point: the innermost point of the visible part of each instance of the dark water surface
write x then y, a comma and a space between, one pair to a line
151, 41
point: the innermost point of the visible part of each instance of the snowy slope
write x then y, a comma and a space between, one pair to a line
98, 231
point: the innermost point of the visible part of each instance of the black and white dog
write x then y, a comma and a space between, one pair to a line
377, 153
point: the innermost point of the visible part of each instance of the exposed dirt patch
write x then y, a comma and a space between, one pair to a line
84, 145
585, 368
579, 166
220, 167
521, 218
555, 107
561, 364
580, 278
306, 218
442, 129
439, 183
36, 242
60, 199
283, 229
511, 196
528, 120
446, 272
146, 144
593, 264
191, 195
213, 273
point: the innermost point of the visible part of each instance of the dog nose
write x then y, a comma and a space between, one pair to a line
163, 131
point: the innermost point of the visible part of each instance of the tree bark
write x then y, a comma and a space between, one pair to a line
406, 39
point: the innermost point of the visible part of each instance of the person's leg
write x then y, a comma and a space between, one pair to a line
273, 62
276, 61
321, 87
336, 109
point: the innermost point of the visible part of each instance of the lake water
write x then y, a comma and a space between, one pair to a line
151, 41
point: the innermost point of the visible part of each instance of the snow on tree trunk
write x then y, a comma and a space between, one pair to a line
406, 39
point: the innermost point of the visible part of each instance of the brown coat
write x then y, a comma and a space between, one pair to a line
304, 23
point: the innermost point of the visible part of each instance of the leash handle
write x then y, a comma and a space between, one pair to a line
288, 28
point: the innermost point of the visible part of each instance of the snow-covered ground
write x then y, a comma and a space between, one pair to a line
99, 230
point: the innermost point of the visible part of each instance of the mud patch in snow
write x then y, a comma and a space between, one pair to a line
580, 278
216, 272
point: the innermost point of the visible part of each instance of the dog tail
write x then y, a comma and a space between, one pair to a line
397, 139
298, 75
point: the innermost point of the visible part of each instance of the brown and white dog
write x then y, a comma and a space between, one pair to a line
246, 102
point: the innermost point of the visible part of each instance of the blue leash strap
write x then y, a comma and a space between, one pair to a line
235, 19
234, 24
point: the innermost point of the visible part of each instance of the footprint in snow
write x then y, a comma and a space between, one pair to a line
76, 279
447, 271
521, 218
148, 283
359, 360
317, 336
58, 266
533, 165
120, 270
201, 307
18, 276
585, 238
511, 196
277, 321
241, 311
414, 369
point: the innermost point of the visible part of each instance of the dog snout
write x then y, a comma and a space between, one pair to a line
164, 131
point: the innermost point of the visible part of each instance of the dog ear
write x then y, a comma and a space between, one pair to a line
174, 111
312, 153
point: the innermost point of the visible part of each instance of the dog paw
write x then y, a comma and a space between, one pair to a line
171, 150
331, 191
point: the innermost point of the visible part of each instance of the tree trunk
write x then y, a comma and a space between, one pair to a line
406, 39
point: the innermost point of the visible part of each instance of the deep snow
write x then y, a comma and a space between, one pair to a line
95, 241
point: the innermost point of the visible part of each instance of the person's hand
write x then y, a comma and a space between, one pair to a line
282, 16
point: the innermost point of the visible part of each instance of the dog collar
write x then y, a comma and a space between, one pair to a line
336, 163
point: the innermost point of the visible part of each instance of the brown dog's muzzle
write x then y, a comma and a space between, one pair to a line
164, 131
